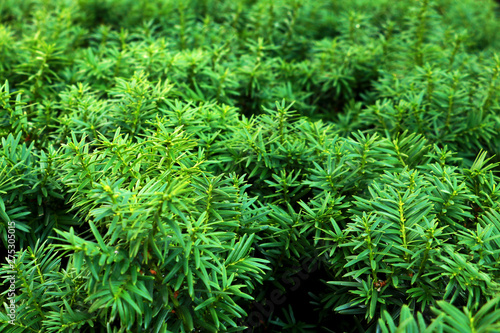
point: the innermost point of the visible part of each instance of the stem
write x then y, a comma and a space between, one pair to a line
402, 221
419, 56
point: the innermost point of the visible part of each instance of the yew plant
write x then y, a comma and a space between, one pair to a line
250, 166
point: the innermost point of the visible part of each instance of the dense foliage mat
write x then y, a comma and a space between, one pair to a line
258, 166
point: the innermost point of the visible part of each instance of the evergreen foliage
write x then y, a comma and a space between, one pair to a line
218, 166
